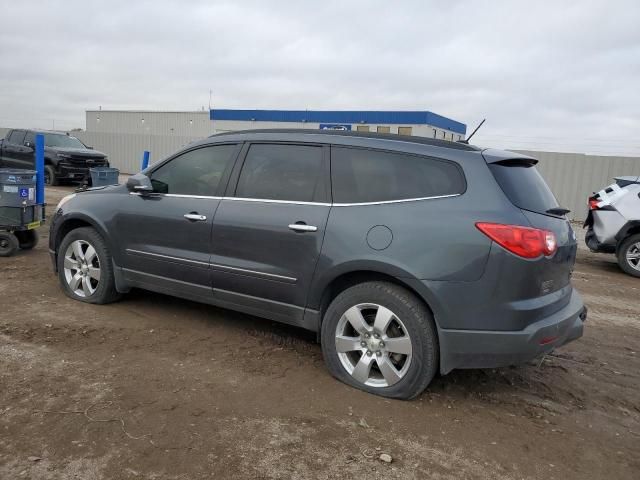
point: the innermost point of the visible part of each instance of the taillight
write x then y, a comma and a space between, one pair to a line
593, 203
525, 242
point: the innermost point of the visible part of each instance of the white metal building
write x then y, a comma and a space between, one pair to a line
204, 123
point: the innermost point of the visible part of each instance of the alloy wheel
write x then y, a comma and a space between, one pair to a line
82, 268
373, 345
633, 256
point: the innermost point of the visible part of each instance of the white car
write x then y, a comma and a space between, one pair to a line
614, 223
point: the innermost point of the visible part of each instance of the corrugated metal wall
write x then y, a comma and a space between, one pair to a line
571, 176
185, 124
125, 150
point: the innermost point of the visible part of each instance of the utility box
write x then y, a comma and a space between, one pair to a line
17, 187
18, 206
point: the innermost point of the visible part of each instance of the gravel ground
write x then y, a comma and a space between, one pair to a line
162, 388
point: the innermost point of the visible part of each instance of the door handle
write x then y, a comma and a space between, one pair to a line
302, 227
195, 217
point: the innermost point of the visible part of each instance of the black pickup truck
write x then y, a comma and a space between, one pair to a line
65, 157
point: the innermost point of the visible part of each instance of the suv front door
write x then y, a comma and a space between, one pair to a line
268, 231
164, 237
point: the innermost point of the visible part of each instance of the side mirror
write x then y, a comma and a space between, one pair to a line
139, 183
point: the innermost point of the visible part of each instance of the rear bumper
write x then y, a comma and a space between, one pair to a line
489, 349
595, 245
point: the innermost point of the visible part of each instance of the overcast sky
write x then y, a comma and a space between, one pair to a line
547, 75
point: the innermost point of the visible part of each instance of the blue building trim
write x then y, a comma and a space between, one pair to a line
341, 117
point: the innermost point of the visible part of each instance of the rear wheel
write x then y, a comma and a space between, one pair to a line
8, 244
28, 239
378, 337
629, 255
85, 269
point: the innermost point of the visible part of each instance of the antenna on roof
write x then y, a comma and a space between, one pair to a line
474, 132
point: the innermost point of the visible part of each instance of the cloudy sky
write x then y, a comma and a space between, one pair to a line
547, 75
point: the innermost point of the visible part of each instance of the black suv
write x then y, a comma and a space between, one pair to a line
65, 157
407, 255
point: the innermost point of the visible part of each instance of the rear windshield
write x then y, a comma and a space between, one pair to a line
524, 186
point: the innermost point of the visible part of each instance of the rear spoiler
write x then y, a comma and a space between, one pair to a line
624, 181
492, 155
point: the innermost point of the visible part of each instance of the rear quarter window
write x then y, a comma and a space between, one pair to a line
363, 176
524, 186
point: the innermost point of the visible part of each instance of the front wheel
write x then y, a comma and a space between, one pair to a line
629, 255
379, 337
50, 176
85, 269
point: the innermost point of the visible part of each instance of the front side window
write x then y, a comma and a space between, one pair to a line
17, 137
196, 172
30, 138
281, 172
359, 176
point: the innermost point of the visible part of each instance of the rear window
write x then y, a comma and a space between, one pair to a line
524, 186
281, 172
362, 176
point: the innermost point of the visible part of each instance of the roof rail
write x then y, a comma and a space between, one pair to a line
349, 133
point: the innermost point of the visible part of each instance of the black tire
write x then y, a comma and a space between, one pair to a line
105, 291
50, 176
629, 243
418, 323
28, 239
8, 244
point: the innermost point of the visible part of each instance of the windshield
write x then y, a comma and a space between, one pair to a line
55, 140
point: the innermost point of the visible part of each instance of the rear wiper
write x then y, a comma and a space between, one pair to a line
558, 211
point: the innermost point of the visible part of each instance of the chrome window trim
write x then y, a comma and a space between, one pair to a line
254, 272
176, 195
293, 202
140, 252
403, 200
268, 200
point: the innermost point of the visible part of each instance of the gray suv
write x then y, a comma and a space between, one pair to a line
409, 256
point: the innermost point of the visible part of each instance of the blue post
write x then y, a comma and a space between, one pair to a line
39, 168
145, 159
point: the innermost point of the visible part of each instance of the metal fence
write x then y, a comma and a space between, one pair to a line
571, 176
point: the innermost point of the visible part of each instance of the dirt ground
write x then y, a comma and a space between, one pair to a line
160, 388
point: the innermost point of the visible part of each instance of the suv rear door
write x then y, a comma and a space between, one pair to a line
268, 230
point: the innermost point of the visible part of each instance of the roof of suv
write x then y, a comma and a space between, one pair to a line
342, 133
39, 130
